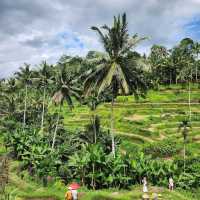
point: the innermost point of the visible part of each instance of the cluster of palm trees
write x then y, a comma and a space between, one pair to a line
112, 70
179, 64
118, 70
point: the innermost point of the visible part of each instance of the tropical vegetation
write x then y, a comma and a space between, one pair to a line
108, 119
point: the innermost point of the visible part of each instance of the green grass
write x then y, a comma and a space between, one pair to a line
57, 191
136, 194
28, 189
149, 119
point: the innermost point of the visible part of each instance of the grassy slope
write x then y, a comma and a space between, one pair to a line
28, 189
151, 119
147, 121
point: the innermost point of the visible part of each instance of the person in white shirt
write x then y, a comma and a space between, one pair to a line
144, 181
171, 184
75, 194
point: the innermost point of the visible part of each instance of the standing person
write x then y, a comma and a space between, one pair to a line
171, 184
144, 181
68, 194
75, 194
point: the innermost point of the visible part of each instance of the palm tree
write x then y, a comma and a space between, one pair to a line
11, 86
158, 59
44, 79
8, 98
115, 72
8, 105
92, 102
184, 127
24, 76
196, 50
186, 75
65, 90
187, 61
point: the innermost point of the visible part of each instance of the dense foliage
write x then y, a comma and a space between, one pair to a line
162, 149
33, 100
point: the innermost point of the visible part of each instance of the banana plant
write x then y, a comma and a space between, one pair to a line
80, 161
97, 160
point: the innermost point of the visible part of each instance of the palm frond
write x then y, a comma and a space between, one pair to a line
114, 72
106, 82
102, 37
124, 85
92, 78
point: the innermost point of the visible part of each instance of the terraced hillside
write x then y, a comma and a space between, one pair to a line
151, 119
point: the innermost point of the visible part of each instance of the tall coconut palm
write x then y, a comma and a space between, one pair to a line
114, 72
186, 75
92, 102
10, 86
65, 90
196, 50
158, 59
25, 78
184, 127
186, 72
44, 79
8, 97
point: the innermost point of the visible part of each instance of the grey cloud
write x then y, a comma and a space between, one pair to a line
35, 43
29, 29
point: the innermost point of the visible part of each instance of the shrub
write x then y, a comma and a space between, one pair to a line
186, 181
165, 148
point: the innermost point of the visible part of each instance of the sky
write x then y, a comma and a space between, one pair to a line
36, 30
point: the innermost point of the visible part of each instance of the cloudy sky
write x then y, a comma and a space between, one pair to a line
35, 30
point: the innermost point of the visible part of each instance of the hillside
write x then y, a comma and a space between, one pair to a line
152, 119
105, 116
138, 123
26, 189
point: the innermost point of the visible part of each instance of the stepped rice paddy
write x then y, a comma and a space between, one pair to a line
152, 119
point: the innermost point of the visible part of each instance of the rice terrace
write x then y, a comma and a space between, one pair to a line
100, 100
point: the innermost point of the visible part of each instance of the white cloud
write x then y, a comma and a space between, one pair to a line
30, 31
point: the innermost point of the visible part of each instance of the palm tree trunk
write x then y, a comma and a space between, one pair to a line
94, 128
55, 132
197, 70
25, 106
189, 100
170, 78
42, 122
176, 80
93, 171
112, 126
56, 128
184, 154
196, 74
